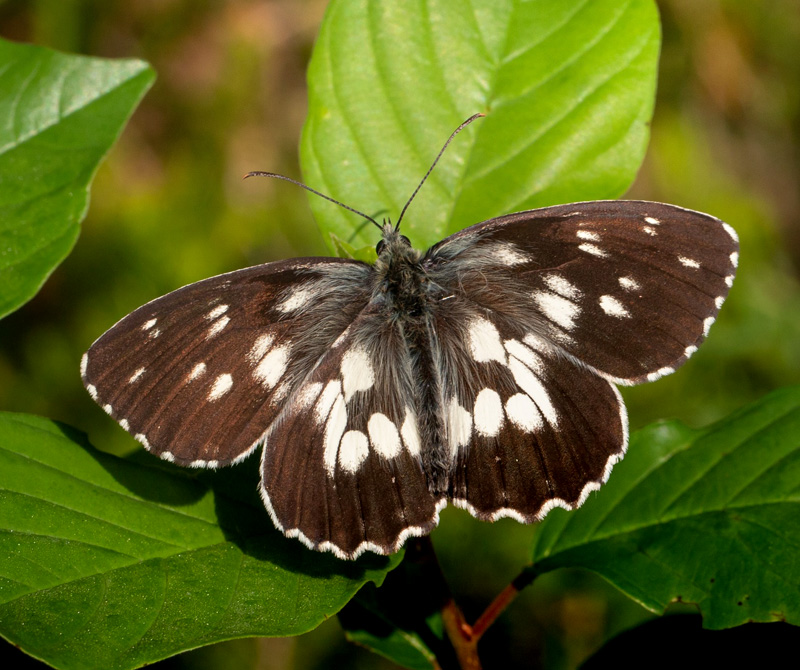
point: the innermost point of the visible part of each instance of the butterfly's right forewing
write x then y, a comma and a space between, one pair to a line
199, 375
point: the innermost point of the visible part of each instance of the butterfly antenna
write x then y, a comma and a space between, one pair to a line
436, 160
258, 173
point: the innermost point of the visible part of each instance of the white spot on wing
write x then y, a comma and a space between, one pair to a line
218, 326
558, 284
459, 426
149, 324
652, 220
410, 434
92, 391
136, 375
167, 456
588, 235
326, 399
271, 368
357, 372
689, 351
260, 347
334, 429
221, 386
84, 364
613, 307
295, 300
488, 413
734, 259
108, 409
524, 354
557, 308
124, 423
729, 281
593, 250
217, 312
629, 284
383, 435
508, 254
197, 370
341, 338
688, 262
484, 342
523, 413
649, 230
306, 395
353, 450
140, 437
718, 301
707, 325
528, 382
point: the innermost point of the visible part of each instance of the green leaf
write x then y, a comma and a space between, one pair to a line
369, 622
402, 620
59, 115
112, 563
710, 517
568, 89
345, 250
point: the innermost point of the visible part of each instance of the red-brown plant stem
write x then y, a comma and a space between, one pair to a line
462, 636
459, 632
501, 602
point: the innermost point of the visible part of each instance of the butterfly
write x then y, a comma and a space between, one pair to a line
482, 372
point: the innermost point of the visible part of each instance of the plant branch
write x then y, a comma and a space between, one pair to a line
502, 601
459, 632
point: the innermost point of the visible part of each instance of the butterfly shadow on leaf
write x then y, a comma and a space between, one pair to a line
245, 523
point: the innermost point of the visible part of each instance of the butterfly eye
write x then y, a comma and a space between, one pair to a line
380, 247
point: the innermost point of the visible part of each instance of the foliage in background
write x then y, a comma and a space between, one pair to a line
230, 99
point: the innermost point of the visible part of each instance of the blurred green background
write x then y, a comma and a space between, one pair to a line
169, 207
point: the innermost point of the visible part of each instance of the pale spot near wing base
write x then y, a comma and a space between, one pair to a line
357, 372
410, 433
459, 426
271, 368
484, 342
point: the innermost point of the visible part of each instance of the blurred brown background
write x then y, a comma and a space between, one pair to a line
169, 207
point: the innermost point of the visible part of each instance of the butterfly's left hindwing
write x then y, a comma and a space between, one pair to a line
199, 375
527, 427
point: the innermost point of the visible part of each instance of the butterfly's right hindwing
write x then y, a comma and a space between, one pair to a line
342, 467
198, 375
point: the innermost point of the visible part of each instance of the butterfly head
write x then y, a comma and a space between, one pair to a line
392, 242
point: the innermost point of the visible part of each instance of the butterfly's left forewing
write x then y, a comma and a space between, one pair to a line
629, 288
